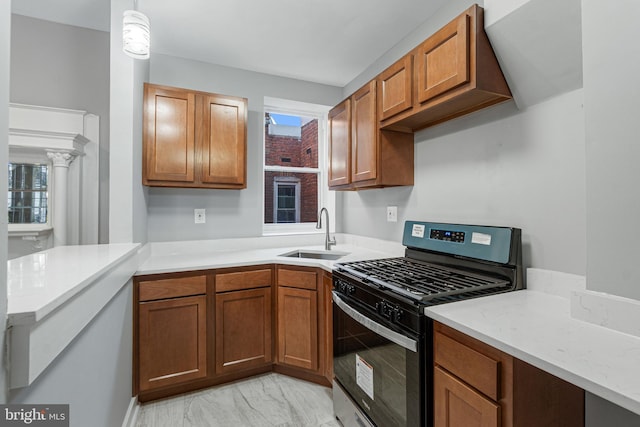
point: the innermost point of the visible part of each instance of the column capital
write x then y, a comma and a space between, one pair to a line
60, 158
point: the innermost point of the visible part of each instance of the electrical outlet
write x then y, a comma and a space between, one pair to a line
200, 216
392, 214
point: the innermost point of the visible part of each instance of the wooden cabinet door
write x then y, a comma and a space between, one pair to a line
298, 327
243, 329
364, 134
327, 319
222, 135
169, 135
340, 144
172, 341
395, 88
442, 61
458, 405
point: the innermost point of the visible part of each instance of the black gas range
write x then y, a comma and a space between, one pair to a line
382, 338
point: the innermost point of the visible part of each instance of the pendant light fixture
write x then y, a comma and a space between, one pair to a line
136, 35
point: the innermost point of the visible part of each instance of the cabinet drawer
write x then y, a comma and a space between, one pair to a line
473, 367
172, 288
226, 282
302, 279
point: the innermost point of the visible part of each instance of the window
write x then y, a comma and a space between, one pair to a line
286, 193
28, 194
294, 157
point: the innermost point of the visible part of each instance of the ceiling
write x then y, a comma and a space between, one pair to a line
324, 41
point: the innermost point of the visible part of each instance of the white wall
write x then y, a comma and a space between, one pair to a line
524, 170
229, 213
5, 47
58, 65
612, 113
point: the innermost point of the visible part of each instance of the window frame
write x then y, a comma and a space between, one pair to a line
326, 198
290, 182
27, 230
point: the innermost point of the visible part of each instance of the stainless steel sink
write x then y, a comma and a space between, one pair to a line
299, 253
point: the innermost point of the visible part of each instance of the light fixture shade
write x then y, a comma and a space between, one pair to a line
136, 36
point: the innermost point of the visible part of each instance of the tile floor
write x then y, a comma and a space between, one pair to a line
262, 401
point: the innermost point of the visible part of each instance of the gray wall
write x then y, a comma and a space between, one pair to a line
230, 213
5, 47
58, 65
93, 374
500, 166
524, 170
128, 197
612, 91
602, 413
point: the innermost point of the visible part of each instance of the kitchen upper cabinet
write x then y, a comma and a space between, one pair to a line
362, 156
243, 319
193, 139
340, 144
395, 88
170, 331
169, 135
478, 385
455, 72
443, 60
364, 129
223, 138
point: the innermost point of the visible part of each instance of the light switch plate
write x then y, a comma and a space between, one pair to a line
392, 214
200, 216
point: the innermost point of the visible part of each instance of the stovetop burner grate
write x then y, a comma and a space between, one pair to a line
420, 280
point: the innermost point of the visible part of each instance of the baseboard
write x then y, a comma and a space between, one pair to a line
131, 417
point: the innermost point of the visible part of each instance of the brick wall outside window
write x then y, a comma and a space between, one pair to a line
302, 152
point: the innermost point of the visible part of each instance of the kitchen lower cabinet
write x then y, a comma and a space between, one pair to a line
170, 331
460, 405
326, 333
478, 385
243, 320
298, 328
300, 315
193, 330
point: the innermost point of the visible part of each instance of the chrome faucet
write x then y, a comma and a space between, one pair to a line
328, 241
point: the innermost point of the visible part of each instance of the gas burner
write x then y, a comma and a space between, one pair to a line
419, 280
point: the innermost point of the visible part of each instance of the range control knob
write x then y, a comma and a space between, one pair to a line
396, 314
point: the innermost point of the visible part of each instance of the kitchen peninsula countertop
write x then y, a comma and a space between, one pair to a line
52, 295
41, 282
537, 327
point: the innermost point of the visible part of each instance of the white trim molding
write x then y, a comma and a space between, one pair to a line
67, 140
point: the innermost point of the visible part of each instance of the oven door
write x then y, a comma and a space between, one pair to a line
379, 366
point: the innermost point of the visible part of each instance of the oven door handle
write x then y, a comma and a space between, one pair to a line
393, 336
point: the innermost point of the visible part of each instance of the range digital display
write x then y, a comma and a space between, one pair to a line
447, 235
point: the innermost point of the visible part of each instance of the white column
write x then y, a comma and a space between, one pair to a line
61, 162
